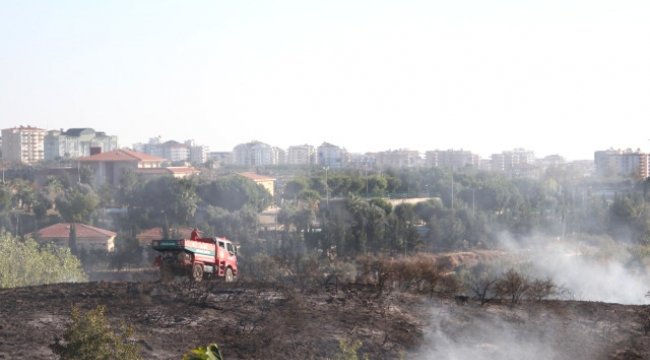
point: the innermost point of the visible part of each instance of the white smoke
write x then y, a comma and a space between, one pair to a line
584, 275
498, 332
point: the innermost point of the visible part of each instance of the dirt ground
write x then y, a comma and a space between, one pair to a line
262, 322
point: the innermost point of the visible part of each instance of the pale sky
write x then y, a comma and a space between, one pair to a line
561, 77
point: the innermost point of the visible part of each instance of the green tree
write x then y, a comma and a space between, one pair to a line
163, 201
233, 193
25, 263
77, 203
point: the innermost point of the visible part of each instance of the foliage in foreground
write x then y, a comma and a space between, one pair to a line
210, 352
26, 263
90, 337
348, 350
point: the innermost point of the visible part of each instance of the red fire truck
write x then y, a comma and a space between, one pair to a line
200, 258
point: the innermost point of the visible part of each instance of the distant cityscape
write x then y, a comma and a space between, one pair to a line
31, 145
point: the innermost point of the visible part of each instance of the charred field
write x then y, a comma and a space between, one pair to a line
253, 321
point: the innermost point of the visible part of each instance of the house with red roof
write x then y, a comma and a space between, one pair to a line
87, 237
108, 167
266, 181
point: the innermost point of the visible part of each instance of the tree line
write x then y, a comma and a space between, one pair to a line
342, 212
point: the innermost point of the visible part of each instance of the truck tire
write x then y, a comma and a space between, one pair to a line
230, 277
197, 272
166, 273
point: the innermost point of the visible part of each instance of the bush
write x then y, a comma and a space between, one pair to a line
89, 337
480, 281
512, 285
26, 263
210, 352
348, 350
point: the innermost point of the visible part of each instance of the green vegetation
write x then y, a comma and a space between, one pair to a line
347, 214
348, 350
90, 337
210, 352
25, 263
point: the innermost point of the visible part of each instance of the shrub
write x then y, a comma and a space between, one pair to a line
512, 285
480, 281
542, 289
210, 352
348, 350
89, 337
26, 263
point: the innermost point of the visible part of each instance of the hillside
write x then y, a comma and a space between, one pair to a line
263, 322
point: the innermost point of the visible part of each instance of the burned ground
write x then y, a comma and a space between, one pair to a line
253, 321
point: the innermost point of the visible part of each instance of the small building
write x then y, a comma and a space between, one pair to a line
266, 181
87, 237
108, 167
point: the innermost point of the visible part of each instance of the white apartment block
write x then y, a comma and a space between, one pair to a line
332, 156
515, 160
451, 159
23, 144
301, 155
75, 143
254, 153
626, 163
401, 158
199, 154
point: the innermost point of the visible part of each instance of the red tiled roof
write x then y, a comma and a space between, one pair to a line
62, 230
25, 128
256, 177
121, 155
174, 170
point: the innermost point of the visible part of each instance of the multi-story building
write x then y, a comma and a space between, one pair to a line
398, 158
626, 163
279, 156
451, 159
254, 153
301, 155
78, 142
199, 154
109, 167
175, 151
513, 161
363, 161
332, 156
23, 144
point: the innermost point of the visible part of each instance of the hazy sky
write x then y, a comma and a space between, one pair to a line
553, 76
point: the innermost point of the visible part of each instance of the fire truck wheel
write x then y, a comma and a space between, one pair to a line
229, 275
166, 274
197, 272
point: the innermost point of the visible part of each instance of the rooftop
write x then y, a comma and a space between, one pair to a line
256, 177
62, 230
121, 155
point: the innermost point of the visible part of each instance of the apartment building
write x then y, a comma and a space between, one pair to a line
301, 155
401, 158
451, 159
254, 153
77, 142
332, 156
626, 163
513, 161
23, 144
